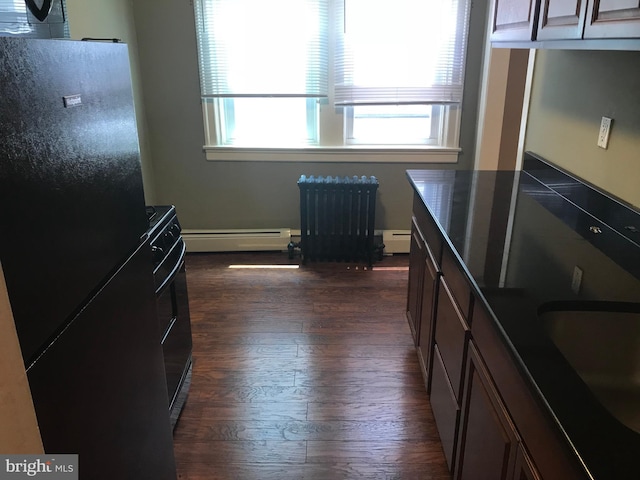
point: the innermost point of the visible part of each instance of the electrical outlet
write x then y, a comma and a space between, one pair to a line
576, 281
603, 136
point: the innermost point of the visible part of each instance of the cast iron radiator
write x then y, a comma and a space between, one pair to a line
337, 216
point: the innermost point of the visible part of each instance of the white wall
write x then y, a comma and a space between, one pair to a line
571, 91
115, 19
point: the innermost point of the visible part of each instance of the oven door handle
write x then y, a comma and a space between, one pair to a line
176, 268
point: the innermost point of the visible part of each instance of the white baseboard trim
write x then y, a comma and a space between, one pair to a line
396, 241
239, 240
277, 239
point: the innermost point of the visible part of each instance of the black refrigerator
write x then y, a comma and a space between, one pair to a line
76, 256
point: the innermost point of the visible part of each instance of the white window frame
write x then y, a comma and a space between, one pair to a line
333, 142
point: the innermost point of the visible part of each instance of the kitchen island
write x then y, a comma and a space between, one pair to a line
512, 276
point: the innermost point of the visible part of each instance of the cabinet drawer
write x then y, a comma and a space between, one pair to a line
457, 281
451, 337
429, 229
445, 407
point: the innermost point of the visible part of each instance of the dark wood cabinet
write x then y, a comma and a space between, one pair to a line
451, 335
417, 256
424, 271
489, 441
525, 469
490, 424
514, 20
448, 353
490, 446
445, 407
537, 431
440, 295
457, 282
613, 19
561, 19
449, 350
430, 287
530, 21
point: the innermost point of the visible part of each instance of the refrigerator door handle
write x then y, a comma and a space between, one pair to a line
41, 13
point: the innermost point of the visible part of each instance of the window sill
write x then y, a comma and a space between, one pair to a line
354, 154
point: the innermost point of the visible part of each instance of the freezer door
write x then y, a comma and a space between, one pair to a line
70, 178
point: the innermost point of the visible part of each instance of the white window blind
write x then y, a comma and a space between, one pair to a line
259, 48
400, 52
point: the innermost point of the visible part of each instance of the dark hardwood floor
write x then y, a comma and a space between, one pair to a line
305, 373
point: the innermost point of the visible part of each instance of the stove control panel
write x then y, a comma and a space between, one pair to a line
165, 240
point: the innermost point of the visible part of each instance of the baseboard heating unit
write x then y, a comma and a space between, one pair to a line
337, 216
240, 240
396, 241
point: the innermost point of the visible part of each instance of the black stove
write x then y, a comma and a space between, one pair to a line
166, 244
159, 216
170, 280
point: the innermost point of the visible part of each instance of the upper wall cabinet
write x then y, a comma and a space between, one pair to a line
543, 20
561, 19
514, 20
613, 19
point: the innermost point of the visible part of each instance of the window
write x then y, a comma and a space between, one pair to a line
290, 73
264, 121
394, 125
263, 65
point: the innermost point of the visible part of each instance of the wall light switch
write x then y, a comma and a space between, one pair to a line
603, 136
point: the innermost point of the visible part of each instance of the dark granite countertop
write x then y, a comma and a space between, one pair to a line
519, 237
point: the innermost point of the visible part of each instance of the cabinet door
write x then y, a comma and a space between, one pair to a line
525, 470
561, 19
446, 411
535, 427
488, 441
417, 255
427, 316
514, 20
613, 19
